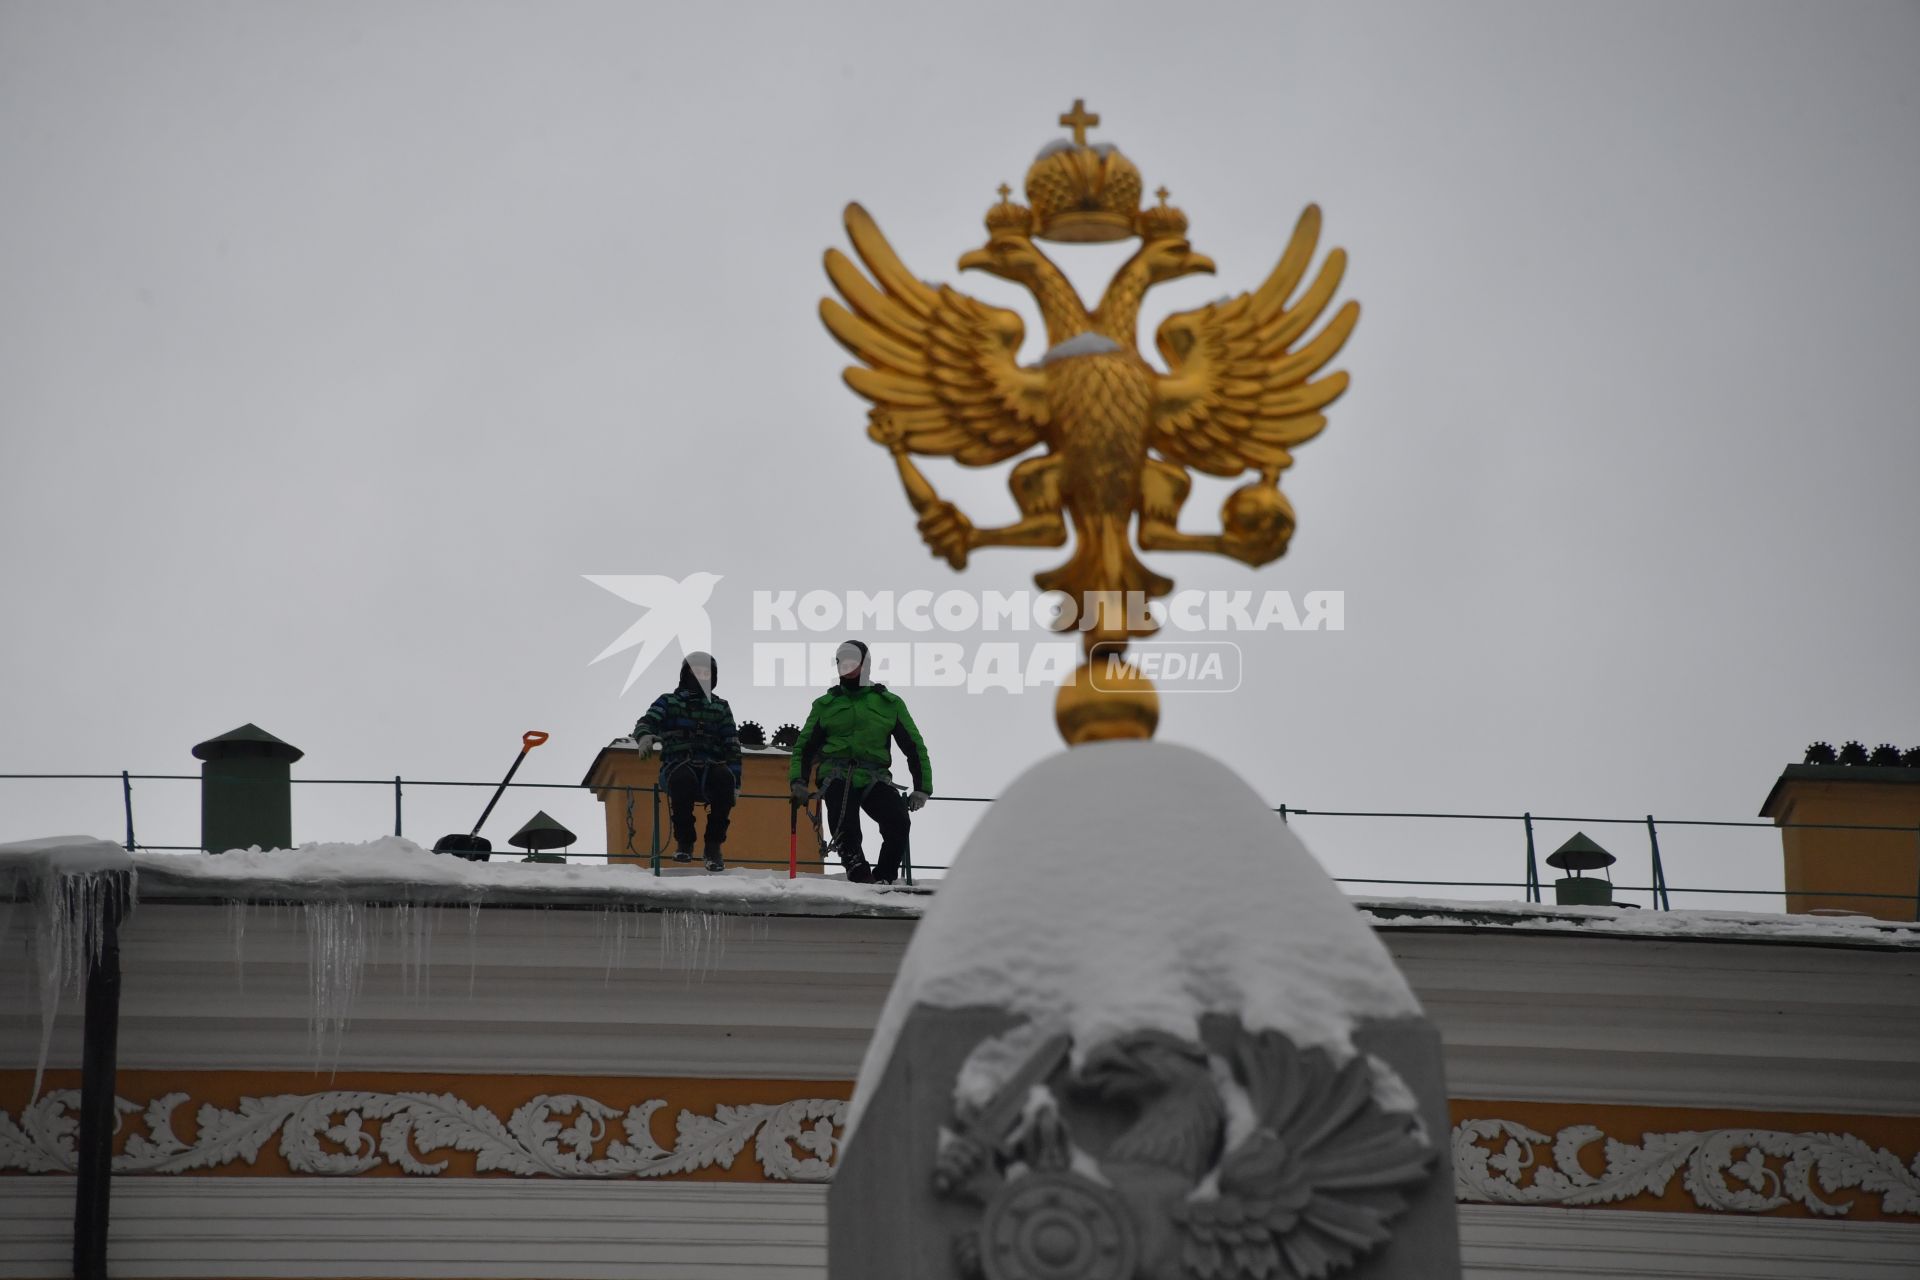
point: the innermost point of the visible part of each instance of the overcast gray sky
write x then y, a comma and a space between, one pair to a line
338, 341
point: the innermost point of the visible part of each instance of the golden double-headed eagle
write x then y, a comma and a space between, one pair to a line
1116, 438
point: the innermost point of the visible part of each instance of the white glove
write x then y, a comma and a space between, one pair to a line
915, 800
645, 744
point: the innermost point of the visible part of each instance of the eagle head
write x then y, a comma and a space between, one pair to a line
1171, 257
1010, 255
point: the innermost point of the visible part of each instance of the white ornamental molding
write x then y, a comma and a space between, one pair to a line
1723, 1169
552, 1136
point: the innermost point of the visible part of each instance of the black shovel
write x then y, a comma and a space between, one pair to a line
473, 846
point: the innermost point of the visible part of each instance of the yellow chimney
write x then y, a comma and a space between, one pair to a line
756, 838
1826, 864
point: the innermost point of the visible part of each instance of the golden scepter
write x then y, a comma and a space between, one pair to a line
882, 430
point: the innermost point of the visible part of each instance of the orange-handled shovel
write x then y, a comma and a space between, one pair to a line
473, 846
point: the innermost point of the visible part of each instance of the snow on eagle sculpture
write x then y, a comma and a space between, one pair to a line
1094, 1066
1117, 438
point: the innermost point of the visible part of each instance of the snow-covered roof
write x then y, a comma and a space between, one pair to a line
1623, 922
27, 862
395, 869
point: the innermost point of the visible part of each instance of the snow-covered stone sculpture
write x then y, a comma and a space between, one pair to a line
1140, 1033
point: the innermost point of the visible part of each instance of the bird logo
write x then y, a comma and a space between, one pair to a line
676, 613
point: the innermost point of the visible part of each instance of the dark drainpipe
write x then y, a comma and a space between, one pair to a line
99, 1052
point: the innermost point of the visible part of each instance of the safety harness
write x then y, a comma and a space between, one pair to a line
843, 768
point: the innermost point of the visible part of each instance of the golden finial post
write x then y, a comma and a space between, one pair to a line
1079, 120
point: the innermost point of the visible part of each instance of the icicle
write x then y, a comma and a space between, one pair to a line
237, 929
69, 932
412, 926
426, 921
403, 923
336, 963
473, 939
694, 940
391, 930
605, 931
616, 925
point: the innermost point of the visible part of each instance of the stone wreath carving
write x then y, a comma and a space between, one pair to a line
344, 1132
1241, 1156
1723, 1169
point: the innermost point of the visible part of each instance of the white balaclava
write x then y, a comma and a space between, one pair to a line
853, 657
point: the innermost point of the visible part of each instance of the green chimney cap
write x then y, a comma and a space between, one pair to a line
247, 740
541, 832
1580, 854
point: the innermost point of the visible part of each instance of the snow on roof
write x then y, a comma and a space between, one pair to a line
395, 868
1127, 886
1617, 922
27, 861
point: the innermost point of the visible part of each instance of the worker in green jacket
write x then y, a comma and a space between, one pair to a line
850, 733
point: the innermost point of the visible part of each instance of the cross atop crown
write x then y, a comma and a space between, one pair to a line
1079, 120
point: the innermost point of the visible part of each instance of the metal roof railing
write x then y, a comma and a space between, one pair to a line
1529, 884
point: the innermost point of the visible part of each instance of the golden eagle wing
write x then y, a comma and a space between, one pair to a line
941, 368
1238, 395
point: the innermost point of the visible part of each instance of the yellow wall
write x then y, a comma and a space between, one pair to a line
756, 838
1824, 865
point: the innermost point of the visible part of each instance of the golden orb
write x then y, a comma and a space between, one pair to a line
1259, 513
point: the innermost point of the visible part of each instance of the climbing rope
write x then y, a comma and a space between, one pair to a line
843, 770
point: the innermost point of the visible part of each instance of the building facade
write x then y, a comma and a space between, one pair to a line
330, 1080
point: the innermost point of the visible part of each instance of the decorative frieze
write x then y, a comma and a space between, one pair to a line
1722, 1170
347, 1132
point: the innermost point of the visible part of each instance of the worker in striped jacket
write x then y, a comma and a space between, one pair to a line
699, 756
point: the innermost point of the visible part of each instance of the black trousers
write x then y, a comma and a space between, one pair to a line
887, 808
690, 783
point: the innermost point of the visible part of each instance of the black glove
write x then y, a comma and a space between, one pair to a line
799, 790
